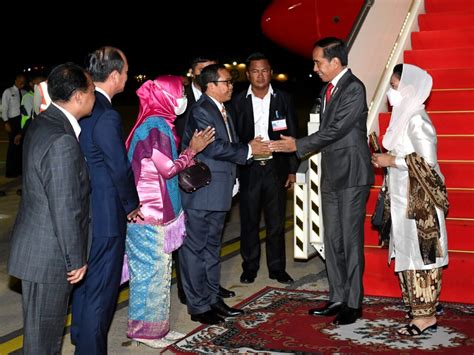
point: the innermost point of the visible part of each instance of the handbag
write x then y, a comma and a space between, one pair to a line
194, 177
381, 218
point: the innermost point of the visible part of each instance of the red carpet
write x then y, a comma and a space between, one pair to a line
276, 321
444, 47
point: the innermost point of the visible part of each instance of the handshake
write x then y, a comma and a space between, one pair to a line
260, 147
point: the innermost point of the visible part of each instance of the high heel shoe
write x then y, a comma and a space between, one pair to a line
412, 329
153, 343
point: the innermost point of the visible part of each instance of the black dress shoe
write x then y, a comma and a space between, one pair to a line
329, 309
347, 315
209, 317
2, 193
282, 277
248, 277
224, 310
224, 293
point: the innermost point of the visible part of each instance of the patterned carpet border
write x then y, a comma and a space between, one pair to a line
276, 322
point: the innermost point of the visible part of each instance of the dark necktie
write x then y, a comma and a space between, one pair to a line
20, 95
328, 92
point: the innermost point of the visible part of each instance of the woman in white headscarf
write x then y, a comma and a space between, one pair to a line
418, 199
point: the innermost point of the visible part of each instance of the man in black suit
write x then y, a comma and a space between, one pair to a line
49, 238
346, 177
193, 94
206, 208
267, 112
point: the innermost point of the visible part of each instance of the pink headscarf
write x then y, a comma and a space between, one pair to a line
158, 98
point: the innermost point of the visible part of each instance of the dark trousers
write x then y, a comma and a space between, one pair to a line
343, 220
94, 300
199, 259
13, 162
262, 189
44, 316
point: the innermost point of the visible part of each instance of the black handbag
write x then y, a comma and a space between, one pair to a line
194, 177
381, 218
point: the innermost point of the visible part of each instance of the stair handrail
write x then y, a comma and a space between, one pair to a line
359, 22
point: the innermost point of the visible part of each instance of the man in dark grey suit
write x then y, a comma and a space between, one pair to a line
206, 208
346, 177
49, 238
193, 93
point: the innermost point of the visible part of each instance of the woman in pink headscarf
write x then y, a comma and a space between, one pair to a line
152, 151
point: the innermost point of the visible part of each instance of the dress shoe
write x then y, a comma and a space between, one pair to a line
224, 310
329, 309
248, 277
208, 317
3, 193
224, 293
282, 277
347, 315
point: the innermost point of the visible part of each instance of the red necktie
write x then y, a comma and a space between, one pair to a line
328, 92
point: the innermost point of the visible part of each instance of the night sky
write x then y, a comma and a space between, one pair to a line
161, 41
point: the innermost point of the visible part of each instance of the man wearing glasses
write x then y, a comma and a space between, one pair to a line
206, 208
193, 93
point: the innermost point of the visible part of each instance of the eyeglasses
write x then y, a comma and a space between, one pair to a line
227, 82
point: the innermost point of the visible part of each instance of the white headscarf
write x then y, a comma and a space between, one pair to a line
415, 87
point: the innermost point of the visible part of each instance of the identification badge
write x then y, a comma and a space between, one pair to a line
279, 123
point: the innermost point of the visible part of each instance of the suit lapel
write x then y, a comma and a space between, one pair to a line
221, 119
335, 92
272, 112
250, 124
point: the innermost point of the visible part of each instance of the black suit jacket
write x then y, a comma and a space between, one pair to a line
242, 114
180, 122
342, 137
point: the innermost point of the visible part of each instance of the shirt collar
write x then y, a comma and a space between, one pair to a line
103, 93
72, 120
250, 92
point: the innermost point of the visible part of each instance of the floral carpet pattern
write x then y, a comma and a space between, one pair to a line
276, 321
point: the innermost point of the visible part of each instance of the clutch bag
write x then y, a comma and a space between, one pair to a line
194, 177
